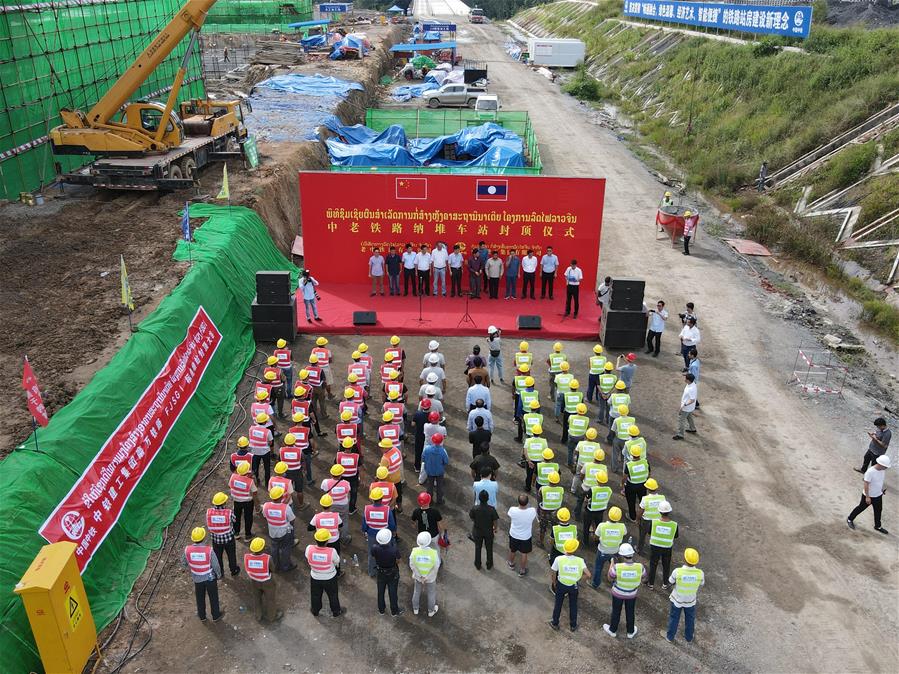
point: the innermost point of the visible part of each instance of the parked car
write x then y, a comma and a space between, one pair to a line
453, 95
476, 15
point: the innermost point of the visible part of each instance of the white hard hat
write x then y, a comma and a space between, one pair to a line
433, 345
884, 461
424, 539
491, 329
664, 507
383, 536
626, 550
433, 359
430, 390
432, 378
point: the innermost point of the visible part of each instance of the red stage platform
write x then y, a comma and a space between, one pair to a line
443, 315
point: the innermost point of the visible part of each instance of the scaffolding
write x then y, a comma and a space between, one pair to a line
256, 16
818, 370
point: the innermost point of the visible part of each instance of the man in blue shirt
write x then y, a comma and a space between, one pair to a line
549, 263
435, 459
394, 266
487, 485
477, 391
693, 368
513, 264
657, 318
480, 411
626, 372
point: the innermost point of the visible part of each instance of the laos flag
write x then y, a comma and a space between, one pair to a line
492, 190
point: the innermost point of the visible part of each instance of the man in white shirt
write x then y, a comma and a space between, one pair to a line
872, 493
410, 261
456, 260
604, 293
521, 533
434, 367
433, 345
573, 277
439, 261
689, 339
376, 271
528, 273
423, 265
549, 263
687, 407
480, 411
657, 318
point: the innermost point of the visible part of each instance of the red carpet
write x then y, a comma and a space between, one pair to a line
443, 315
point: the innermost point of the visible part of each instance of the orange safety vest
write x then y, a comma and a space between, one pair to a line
218, 520
387, 488
398, 409
394, 353
320, 558
386, 369
394, 460
263, 386
300, 406
391, 432
257, 566
275, 514
350, 463
367, 360
278, 481
301, 433
315, 375
324, 356
358, 369
352, 406
259, 438
199, 558
358, 393
338, 489
347, 430
241, 487
276, 382
330, 521
283, 356
236, 457
292, 456
376, 517
264, 408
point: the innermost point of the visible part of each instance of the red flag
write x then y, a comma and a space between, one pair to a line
411, 188
35, 402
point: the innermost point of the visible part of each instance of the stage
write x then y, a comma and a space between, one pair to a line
443, 315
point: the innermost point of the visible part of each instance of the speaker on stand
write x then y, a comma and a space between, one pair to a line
623, 321
274, 309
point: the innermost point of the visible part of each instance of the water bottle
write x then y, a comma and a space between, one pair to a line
355, 559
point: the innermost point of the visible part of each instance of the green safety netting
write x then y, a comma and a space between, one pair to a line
230, 247
257, 16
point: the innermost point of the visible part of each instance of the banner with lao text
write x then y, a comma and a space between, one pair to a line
792, 21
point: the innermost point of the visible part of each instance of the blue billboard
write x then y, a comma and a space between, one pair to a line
766, 19
335, 8
439, 27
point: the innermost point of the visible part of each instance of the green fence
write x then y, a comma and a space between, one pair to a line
256, 16
229, 248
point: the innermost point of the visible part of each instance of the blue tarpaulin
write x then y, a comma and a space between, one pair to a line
368, 154
422, 46
432, 36
349, 44
472, 141
503, 153
314, 41
311, 85
309, 24
410, 91
359, 133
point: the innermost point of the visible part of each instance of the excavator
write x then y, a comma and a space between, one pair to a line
150, 146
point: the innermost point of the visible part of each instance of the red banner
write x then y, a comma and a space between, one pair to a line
345, 215
35, 401
93, 505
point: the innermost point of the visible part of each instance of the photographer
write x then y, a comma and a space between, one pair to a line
310, 295
495, 360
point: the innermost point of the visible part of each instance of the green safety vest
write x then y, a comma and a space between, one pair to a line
551, 497
628, 576
543, 470
532, 419
562, 534
610, 535
635, 442
620, 426
617, 399
597, 364
424, 559
607, 382
687, 580
526, 398
523, 359
555, 361
591, 470
599, 498
585, 449
572, 400
519, 382
650, 504
662, 533
534, 447
563, 383
637, 471
578, 425
571, 569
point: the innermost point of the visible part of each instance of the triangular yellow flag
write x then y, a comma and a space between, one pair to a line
224, 193
127, 300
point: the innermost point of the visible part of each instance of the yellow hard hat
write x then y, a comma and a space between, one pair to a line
599, 454
257, 545
322, 535
591, 433
300, 391
597, 349
581, 408
557, 347
304, 374
321, 341
243, 467
524, 367
535, 404
352, 377
393, 374
298, 417
570, 546
347, 442
554, 477
667, 194
290, 439
620, 385
313, 359
601, 476
608, 367
687, 214
564, 514
529, 381
376, 494
356, 355
281, 343
261, 418
623, 410
636, 451
388, 357
243, 441
198, 534
346, 415
615, 514
523, 347
652, 484
385, 443
574, 385
633, 431
382, 472
393, 395
276, 493
564, 366
548, 454
326, 501
337, 470
537, 429
269, 376
348, 392
363, 347
691, 556
219, 499
394, 340
261, 394
280, 468
387, 417
272, 360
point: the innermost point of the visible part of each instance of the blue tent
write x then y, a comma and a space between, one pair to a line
395, 9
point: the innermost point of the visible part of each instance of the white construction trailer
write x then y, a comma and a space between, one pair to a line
555, 53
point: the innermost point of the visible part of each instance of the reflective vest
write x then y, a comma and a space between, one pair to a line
607, 382
277, 481
620, 426
320, 558
635, 442
376, 517
386, 369
591, 470
302, 435
585, 449
519, 382
357, 369
572, 400
283, 356
391, 432
562, 534
300, 406
257, 566
543, 470
218, 520
398, 409
578, 425
534, 447
599, 498
650, 504
339, 490
264, 408
292, 456
199, 559
259, 439
275, 514
330, 521
532, 419
275, 383
662, 533
555, 362
387, 488
526, 398
358, 393
353, 407
617, 399
394, 386
597, 364
687, 580
262, 386
394, 460
551, 497
394, 354
563, 382
237, 457
637, 471
628, 576
571, 568
367, 360
324, 356
523, 359
424, 560
350, 463
610, 536
347, 430
241, 487
315, 375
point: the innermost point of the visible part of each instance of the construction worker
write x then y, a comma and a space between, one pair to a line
205, 572
338, 488
261, 405
433, 347
599, 495
662, 533
348, 429
242, 453
376, 516
667, 201
274, 377
323, 565
634, 440
419, 420
355, 408
567, 571
386, 556
424, 562
396, 406
390, 430
243, 493
291, 461
323, 360
619, 397
562, 383
607, 381
534, 448
610, 534
578, 423
329, 520
257, 564
570, 400
387, 488
311, 375
554, 361
648, 510
360, 369
585, 452
280, 517
395, 352
627, 370
357, 384
596, 364
220, 523
349, 461
620, 434
285, 362
550, 500
365, 356
687, 580
565, 530
523, 357
261, 442
633, 482
625, 575
302, 433
302, 400
280, 479
533, 417
392, 460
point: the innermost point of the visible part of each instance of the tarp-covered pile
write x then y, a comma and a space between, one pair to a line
350, 47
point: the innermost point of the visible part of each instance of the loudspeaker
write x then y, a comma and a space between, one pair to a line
364, 318
271, 332
623, 339
627, 294
273, 287
623, 329
529, 323
274, 313
624, 320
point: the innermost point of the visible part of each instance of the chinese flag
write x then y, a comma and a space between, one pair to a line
411, 188
35, 402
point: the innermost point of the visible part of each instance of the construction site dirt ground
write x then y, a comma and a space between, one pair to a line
762, 490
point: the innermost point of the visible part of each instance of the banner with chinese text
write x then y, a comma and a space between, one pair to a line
345, 215
792, 21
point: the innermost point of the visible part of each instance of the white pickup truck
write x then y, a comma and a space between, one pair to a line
453, 95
